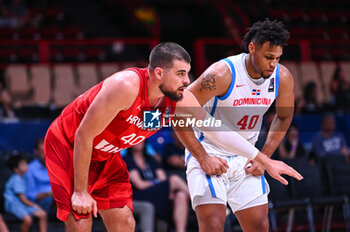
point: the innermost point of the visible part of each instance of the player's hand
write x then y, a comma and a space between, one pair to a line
213, 165
83, 203
254, 168
277, 168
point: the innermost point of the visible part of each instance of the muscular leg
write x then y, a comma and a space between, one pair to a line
254, 219
118, 219
211, 217
73, 225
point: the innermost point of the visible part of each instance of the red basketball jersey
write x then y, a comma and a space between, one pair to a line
125, 130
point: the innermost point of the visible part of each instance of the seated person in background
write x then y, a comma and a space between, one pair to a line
309, 103
329, 142
150, 183
340, 90
37, 180
6, 108
15, 200
145, 211
174, 157
18, 14
290, 146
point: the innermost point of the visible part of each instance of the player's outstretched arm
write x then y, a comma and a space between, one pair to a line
284, 112
281, 121
232, 141
117, 93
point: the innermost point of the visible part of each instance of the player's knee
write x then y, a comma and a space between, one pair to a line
214, 224
27, 220
129, 222
265, 224
261, 225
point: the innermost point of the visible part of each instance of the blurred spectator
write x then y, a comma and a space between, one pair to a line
16, 15
309, 103
327, 141
37, 180
174, 157
3, 226
150, 150
4, 20
290, 146
340, 90
145, 211
6, 109
15, 200
150, 183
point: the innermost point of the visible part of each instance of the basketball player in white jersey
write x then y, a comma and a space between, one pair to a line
239, 90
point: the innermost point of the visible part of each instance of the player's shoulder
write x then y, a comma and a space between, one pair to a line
220, 70
285, 74
286, 80
127, 81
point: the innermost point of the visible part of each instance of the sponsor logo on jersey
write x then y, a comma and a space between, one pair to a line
255, 92
239, 86
251, 101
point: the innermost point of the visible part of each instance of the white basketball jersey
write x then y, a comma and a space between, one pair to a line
243, 106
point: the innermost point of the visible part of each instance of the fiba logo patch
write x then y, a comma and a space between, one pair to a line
272, 85
151, 119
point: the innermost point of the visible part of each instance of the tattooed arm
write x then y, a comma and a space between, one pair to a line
215, 81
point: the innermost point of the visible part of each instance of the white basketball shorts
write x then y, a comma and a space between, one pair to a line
235, 187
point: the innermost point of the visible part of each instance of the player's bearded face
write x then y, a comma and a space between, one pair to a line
173, 95
175, 76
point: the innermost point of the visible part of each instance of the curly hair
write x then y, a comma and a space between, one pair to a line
267, 30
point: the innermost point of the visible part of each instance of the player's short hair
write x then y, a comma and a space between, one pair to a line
165, 53
14, 160
267, 31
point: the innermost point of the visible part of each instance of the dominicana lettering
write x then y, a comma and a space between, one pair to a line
251, 101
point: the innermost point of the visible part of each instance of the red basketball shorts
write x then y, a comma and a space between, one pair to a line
108, 180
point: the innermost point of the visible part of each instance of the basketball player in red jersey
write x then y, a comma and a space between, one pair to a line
82, 145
